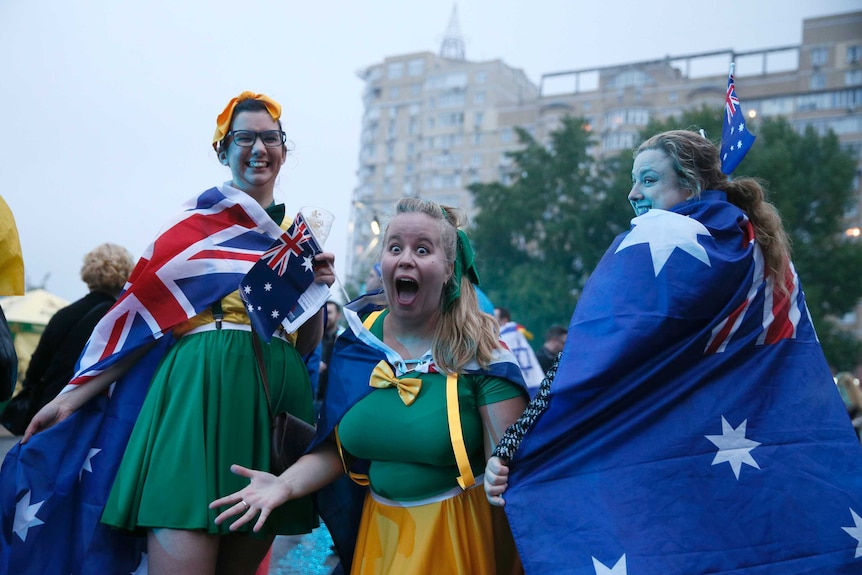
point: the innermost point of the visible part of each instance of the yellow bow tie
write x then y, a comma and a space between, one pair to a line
383, 376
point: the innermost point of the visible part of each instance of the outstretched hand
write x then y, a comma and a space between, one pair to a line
496, 481
264, 493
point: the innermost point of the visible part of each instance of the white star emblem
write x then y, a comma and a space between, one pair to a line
741, 126
250, 308
246, 289
739, 145
259, 308
274, 313
733, 447
732, 129
618, 569
87, 466
25, 516
856, 533
665, 232
307, 263
267, 286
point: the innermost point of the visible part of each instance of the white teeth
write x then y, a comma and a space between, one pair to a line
257, 164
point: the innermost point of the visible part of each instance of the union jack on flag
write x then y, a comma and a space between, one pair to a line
736, 140
290, 243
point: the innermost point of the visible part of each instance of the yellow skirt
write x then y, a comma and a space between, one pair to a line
460, 533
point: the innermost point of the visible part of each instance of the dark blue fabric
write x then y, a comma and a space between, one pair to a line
693, 424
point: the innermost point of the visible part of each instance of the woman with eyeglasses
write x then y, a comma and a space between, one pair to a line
205, 407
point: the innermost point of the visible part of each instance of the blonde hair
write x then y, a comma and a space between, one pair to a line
697, 164
107, 268
464, 333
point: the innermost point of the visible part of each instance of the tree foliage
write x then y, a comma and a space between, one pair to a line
539, 237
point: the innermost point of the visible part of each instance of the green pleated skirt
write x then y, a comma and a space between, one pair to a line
205, 410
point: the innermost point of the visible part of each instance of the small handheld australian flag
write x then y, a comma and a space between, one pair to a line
273, 286
736, 140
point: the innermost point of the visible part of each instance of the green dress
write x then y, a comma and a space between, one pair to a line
205, 410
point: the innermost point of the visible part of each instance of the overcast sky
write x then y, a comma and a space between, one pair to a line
110, 105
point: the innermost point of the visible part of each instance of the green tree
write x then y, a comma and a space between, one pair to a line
539, 238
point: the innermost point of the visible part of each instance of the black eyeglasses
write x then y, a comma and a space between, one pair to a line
247, 138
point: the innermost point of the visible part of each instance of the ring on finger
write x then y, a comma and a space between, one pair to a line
244, 503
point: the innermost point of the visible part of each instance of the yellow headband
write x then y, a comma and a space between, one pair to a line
223, 120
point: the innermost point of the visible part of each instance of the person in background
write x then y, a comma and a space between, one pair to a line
373, 282
419, 388
516, 341
190, 375
105, 271
555, 340
848, 387
331, 331
693, 425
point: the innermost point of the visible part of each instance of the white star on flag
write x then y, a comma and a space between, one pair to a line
856, 533
274, 313
25, 516
247, 289
308, 263
664, 232
267, 286
87, 465
618, 569
733, 447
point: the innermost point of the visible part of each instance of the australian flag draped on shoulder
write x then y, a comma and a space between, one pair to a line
53, 489
736, 140
693, 425
279, 289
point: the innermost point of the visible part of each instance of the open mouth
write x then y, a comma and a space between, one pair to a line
406, 291
257, 164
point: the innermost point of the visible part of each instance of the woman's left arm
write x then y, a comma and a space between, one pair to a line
311, 332
496, 419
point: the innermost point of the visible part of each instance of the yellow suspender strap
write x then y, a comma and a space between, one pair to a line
358, 478
466, 479
372, 317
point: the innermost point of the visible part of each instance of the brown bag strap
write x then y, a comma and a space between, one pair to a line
261, 366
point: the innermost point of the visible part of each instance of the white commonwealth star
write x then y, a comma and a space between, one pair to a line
664, 232
267, 286
87, 465
250, 307
274, 313
733, 447
25, 516
618, 569
246, 289
308, 263
856, 533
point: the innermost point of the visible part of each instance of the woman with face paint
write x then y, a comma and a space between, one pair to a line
691, 394
419, 390
205, 406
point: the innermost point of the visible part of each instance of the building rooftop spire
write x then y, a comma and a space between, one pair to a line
452, 46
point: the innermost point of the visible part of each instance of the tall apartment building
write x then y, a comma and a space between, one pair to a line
434, 123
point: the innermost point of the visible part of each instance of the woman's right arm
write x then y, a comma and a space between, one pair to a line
265, 491
65, 404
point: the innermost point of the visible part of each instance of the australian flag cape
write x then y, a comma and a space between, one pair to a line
693, 425
357, 351
53, 489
